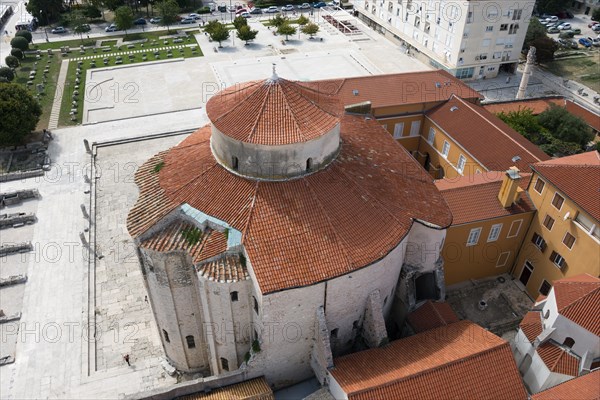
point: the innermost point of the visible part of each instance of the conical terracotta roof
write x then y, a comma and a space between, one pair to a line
273, 112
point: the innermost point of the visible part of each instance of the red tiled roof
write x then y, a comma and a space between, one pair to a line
253, 389
558, 360
397, 89
585, 387
475, 197
273, 112
531, 325
577, 176
483, 135
456, 361
592, 119
431, 315
538, 106
578, 299
228, 268
307, 230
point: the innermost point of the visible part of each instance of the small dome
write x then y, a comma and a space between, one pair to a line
273, 112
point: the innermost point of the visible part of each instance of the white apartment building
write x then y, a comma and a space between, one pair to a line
473, 39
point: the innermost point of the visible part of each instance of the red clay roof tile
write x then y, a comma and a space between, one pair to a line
303, 231
577, 176
252, 389
489, 140
578, 299
475, 197
537, 106
531, 325
431, 315
586, 387
460, 360
228, 268
558, 360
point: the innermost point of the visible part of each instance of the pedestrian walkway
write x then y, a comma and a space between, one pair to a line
125, 53
58, 94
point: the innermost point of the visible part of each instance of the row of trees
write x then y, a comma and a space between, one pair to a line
556, 131
19, 44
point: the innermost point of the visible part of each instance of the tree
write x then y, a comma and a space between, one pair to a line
168, 10
246, 34
534, 31
545, 48
219, 33
211, 26
124, 18
596, 14
302, 20
287, 30
92, 12
45, 10
565, 126
310, 29
278, 20
12, 62
20, 113
240, 21
78, 21
524, 122
17, 53
552, 6
19, 42
112, 5
25, 34
6, 75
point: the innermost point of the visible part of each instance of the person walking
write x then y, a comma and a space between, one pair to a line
126, 358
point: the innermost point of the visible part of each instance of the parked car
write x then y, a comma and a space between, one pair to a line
194, 16
568, 43
245, 15
566, 35
240, 11
595, 41
564, 26
585, 42
222, 9
304, 6
140, 21
552, 18
272, 9
111, 28
544, 22
59, 29
319, 4
575, 31
187, 20
155, 20
287, 7
591, 24
553, 30
596, 28
256, 10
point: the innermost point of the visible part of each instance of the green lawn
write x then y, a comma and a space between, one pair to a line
581, 69
66, 106
46, 97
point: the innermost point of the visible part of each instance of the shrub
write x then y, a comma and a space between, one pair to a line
25, 34
24, 112
6, 75
12, 61
203, 10
17, 53
19, 42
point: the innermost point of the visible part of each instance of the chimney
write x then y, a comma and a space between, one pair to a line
510, 190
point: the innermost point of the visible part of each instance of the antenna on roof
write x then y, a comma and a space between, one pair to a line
516, 158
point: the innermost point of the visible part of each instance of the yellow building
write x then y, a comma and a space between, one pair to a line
491, 213
563, 239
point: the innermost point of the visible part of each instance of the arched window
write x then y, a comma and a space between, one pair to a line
255, 304
569, 342
234, 163
309, 164
191, 343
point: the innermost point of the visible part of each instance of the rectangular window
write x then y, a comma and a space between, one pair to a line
557, 201
539, 241
224, 364
473, 236
569, 240
486, 42
548, 222
255, 304
415, 128
398, 130
500, 41
489, 28
446, 149
191, 343
545, 288
558, 260
431, 135
494, 232
539, 185
461, 164
503, 259
234, 296
515, 227
587, 225
504, 27
517, 15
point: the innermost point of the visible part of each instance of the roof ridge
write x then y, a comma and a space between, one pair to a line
291, 111
497, 128
258, 115
251, 213
438, 366
473, 185
582, 297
